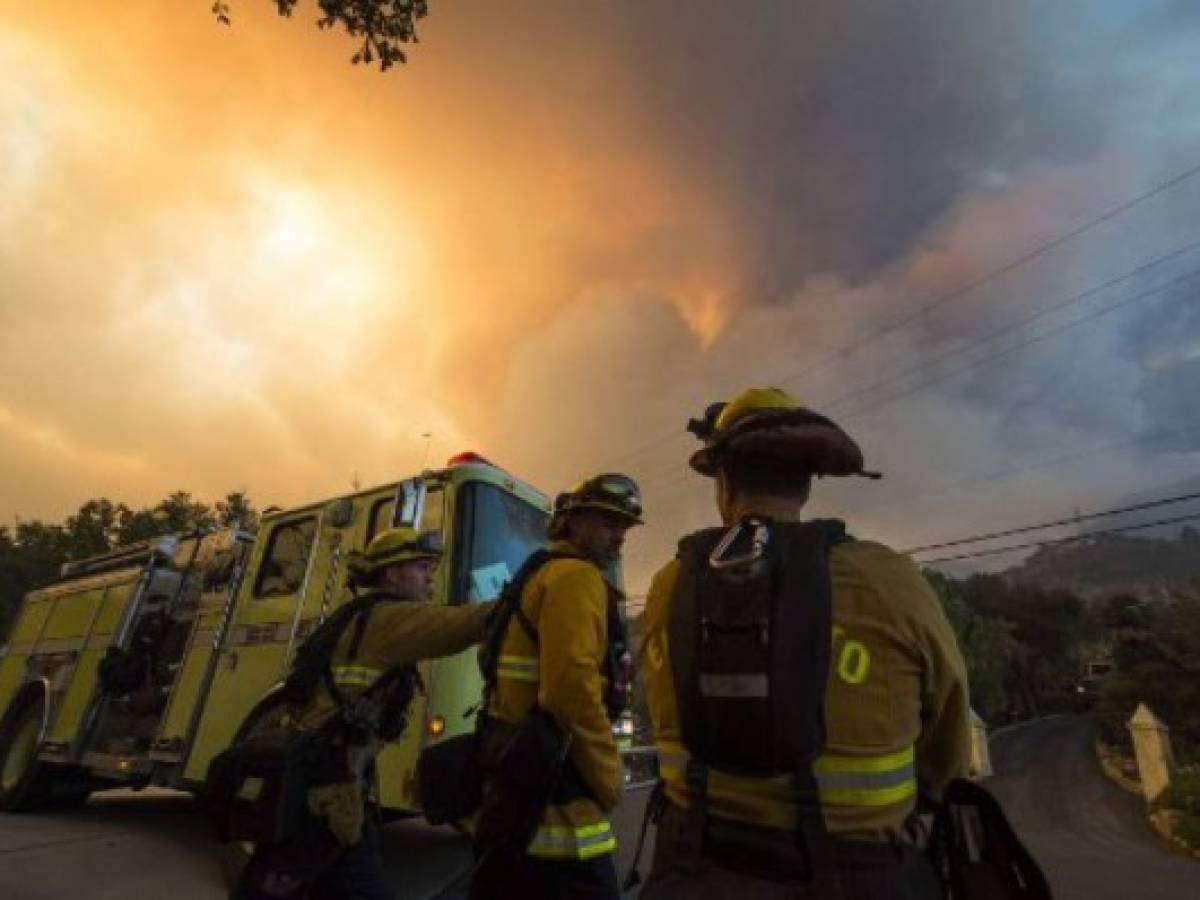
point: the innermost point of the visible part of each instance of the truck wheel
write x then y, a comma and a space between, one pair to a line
271, 712
24, 780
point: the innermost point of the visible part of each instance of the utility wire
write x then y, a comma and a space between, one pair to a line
1007, 329
1012, 326
1041, 250
1025, 529
1002, 475
999, 354
1021, 345
1079, 537
902, 322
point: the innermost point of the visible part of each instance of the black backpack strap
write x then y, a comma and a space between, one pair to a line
524, 621
695, 778
812, 837
357, 611
507, 608
360, 627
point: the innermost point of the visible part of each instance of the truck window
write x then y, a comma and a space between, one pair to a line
286, 558
496, 532
384, 509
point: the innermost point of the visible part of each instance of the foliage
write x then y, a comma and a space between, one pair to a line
32, 554
1156, 652
1187, 829
384, 26
1023, 646
1183, 796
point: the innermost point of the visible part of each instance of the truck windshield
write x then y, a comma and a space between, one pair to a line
495, 532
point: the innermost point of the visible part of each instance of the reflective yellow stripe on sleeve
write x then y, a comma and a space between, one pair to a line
572, 842
354, 676
841, 780
866, 780
518, 668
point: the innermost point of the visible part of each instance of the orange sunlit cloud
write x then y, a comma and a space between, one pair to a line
273, 274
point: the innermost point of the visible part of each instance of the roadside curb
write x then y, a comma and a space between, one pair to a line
1161, 821
1113, 773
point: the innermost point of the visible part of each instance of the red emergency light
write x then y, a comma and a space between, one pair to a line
468, 457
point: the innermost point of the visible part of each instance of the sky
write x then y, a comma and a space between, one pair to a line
230, 260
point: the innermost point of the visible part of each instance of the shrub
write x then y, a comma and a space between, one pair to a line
1183, 794
1187, 829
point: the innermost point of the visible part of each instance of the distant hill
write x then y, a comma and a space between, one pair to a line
1149, 567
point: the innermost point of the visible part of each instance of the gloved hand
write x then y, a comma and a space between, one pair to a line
342, 805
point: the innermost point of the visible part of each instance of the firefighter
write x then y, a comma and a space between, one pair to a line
560, 679
373, 643
803, 686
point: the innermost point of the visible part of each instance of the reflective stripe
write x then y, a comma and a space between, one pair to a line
354, 676
572, 842
867, 781
518, 668
842, 780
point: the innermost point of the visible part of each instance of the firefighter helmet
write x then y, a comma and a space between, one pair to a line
610, 492
393, 547
770, 423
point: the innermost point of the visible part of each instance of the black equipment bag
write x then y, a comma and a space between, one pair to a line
524, 764
449, 780
750, 632
257, 790
976, 851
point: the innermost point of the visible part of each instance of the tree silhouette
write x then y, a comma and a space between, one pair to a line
383, 27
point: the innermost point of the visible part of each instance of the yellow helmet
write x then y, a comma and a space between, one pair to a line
395, 546
770, 423
610, 492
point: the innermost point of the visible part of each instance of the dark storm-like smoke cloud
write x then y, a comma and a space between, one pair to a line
837, 133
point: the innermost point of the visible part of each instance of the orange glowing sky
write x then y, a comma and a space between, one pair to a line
230, 260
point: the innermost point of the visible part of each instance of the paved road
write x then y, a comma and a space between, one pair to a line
1091, 837
154, 844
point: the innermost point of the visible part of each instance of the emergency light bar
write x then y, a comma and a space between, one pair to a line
468, 457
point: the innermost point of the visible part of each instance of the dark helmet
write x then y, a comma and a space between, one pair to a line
770, 423
610, 492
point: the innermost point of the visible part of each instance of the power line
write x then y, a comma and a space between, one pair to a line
1007, 351
1014, 326
1010, 266
902, 322
1079, 537
1025, 529
1021, 345
1005, 474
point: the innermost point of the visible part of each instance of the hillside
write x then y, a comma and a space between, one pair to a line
1148, 567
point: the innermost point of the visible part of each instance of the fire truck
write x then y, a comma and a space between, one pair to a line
137, 666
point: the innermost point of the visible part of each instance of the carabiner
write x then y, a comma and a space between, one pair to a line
758, 545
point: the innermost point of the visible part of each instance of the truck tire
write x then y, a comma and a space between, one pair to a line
26, 783
24, 780
271, 712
